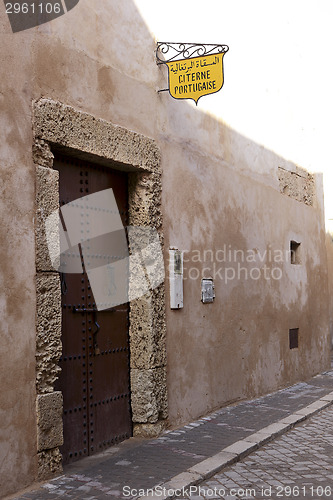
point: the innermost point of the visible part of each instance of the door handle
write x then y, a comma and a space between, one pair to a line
96, 348
94, 311
83, 310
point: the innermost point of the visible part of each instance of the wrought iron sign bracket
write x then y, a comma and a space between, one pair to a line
168, 51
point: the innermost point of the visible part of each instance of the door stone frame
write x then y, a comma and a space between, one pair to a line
59, 127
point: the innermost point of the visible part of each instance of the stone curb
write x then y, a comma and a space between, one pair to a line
235, 452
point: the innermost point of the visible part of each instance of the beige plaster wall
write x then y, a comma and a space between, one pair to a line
238, 347
17, 270
218, 188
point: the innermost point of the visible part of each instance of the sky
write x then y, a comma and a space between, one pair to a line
278, 76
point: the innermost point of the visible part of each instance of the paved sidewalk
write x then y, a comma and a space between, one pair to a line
142, 464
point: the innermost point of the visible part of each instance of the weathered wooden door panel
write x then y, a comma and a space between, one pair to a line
95, 360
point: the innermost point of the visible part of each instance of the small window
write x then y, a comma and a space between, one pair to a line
293, 338
295, 251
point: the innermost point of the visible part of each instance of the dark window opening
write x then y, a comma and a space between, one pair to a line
293, 338
295, 251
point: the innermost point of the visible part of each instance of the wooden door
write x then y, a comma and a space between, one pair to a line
94, 377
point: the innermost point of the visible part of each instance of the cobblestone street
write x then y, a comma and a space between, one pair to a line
298, 464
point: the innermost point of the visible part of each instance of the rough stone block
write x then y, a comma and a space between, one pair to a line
42, 154
47, 201
299, 185
49, 464
145, 191
77, 130
49, 421
149, 430
48, 330
147, 331
149, 395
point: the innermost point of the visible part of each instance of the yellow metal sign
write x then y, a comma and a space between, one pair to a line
194, 69
196, 77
